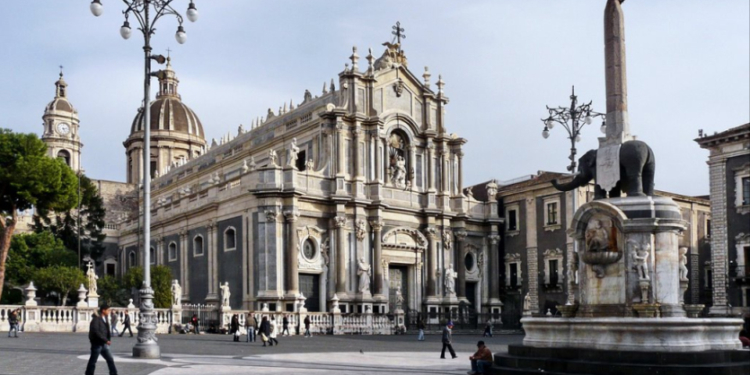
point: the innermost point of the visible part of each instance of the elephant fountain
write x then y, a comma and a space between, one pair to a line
637, 166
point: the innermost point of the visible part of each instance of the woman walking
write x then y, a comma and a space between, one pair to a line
274, 332
234, 327
265, 331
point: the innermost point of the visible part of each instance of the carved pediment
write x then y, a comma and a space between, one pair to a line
310, 231
514, 257
404, 238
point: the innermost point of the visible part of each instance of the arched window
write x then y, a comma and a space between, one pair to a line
131, 259
230, 239
151, 255
65, 156
172, 252
198, 246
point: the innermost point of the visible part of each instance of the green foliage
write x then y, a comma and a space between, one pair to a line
32, 251
60, 279
161, 283
64, 224
112, 291
29, 178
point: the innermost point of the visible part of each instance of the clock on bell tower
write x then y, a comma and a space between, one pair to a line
60, 121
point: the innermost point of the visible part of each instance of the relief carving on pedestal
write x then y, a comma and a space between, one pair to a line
601, 247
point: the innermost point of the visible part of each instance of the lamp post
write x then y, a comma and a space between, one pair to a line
573, 119
141, 10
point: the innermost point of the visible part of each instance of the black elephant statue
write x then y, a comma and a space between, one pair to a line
637, 165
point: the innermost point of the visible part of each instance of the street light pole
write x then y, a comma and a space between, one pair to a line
141, 10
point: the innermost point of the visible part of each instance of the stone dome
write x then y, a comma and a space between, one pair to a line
168, 112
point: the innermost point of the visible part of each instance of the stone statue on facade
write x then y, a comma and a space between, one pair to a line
450, 280
683, 264
272, 157
240, 129
291, 160
176, 293
640, 259
91, 275
225, 294
527, 303
398, 171
597, 238
364, 273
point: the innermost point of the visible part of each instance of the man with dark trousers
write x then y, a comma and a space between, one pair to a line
447, 340
99, 336
126, 324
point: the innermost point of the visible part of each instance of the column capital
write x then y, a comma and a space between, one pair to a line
211, 224
182, 233
431, 233
377, 225
357, 132
460, 154
291, 215
339, 221
461, 235
340, 126
271, 215
494, 239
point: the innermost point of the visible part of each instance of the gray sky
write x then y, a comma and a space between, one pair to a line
502, 61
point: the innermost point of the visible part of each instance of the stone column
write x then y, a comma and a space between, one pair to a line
213, 278
377, 227
493, 271
430, 165
719, 237
358, 168
184, 276
432, 263
446, 170
460, 266
460, 155
292, 266
340, 222
378, 156
412, 166
340, 149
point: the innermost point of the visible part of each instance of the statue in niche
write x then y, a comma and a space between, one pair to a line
176, 293
597, 238
398, 171
225, 294
527, 303
364, 273
640, 259
573, 269
291, 160
683, 264
399, 298
91, 274
450, 280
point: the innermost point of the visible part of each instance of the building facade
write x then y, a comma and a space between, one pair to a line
353, 195
729, 173
536, 249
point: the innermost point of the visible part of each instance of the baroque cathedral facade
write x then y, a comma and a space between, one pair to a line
355, 195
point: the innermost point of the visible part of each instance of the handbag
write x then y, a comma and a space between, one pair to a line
263, 337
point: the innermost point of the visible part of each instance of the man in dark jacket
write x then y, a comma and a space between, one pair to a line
99, 336
307, 326
447, 340
126, 324
13, 321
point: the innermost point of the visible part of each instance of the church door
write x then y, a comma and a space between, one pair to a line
471, 294
398, 282
309, 286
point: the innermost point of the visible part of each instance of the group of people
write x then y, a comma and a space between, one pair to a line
267, 329
113, 320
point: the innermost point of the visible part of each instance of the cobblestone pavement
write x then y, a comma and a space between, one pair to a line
66, 353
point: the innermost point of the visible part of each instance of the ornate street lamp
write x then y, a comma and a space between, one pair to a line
573, 119
141, 10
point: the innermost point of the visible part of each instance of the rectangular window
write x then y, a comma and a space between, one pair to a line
746, 191
553, 272
551, 213
512, 220
110, 269
709, 279
301, 161
419, 171
708, 228
513, 274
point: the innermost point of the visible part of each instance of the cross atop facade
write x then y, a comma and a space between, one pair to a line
398, 33
61, 70
168, 51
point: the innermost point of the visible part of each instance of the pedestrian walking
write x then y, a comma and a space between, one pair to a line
194, 322
274, 332
250, 327
114, 320
307, 326
126, 324
100, 338
13, 322
285, 325
420, 327
234, 328
488, 329
447, 340
265, 331
481, 360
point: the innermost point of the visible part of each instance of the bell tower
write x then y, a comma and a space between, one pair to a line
61, 125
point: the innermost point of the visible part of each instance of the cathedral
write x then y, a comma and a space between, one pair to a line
355, 196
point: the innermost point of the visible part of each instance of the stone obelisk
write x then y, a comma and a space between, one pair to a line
618, 125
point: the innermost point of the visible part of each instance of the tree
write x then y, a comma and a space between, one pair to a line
28, 178
161, 283
64, 224
112, 291
31, 251
60, 279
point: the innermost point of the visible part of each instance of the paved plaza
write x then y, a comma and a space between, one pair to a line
67, 353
